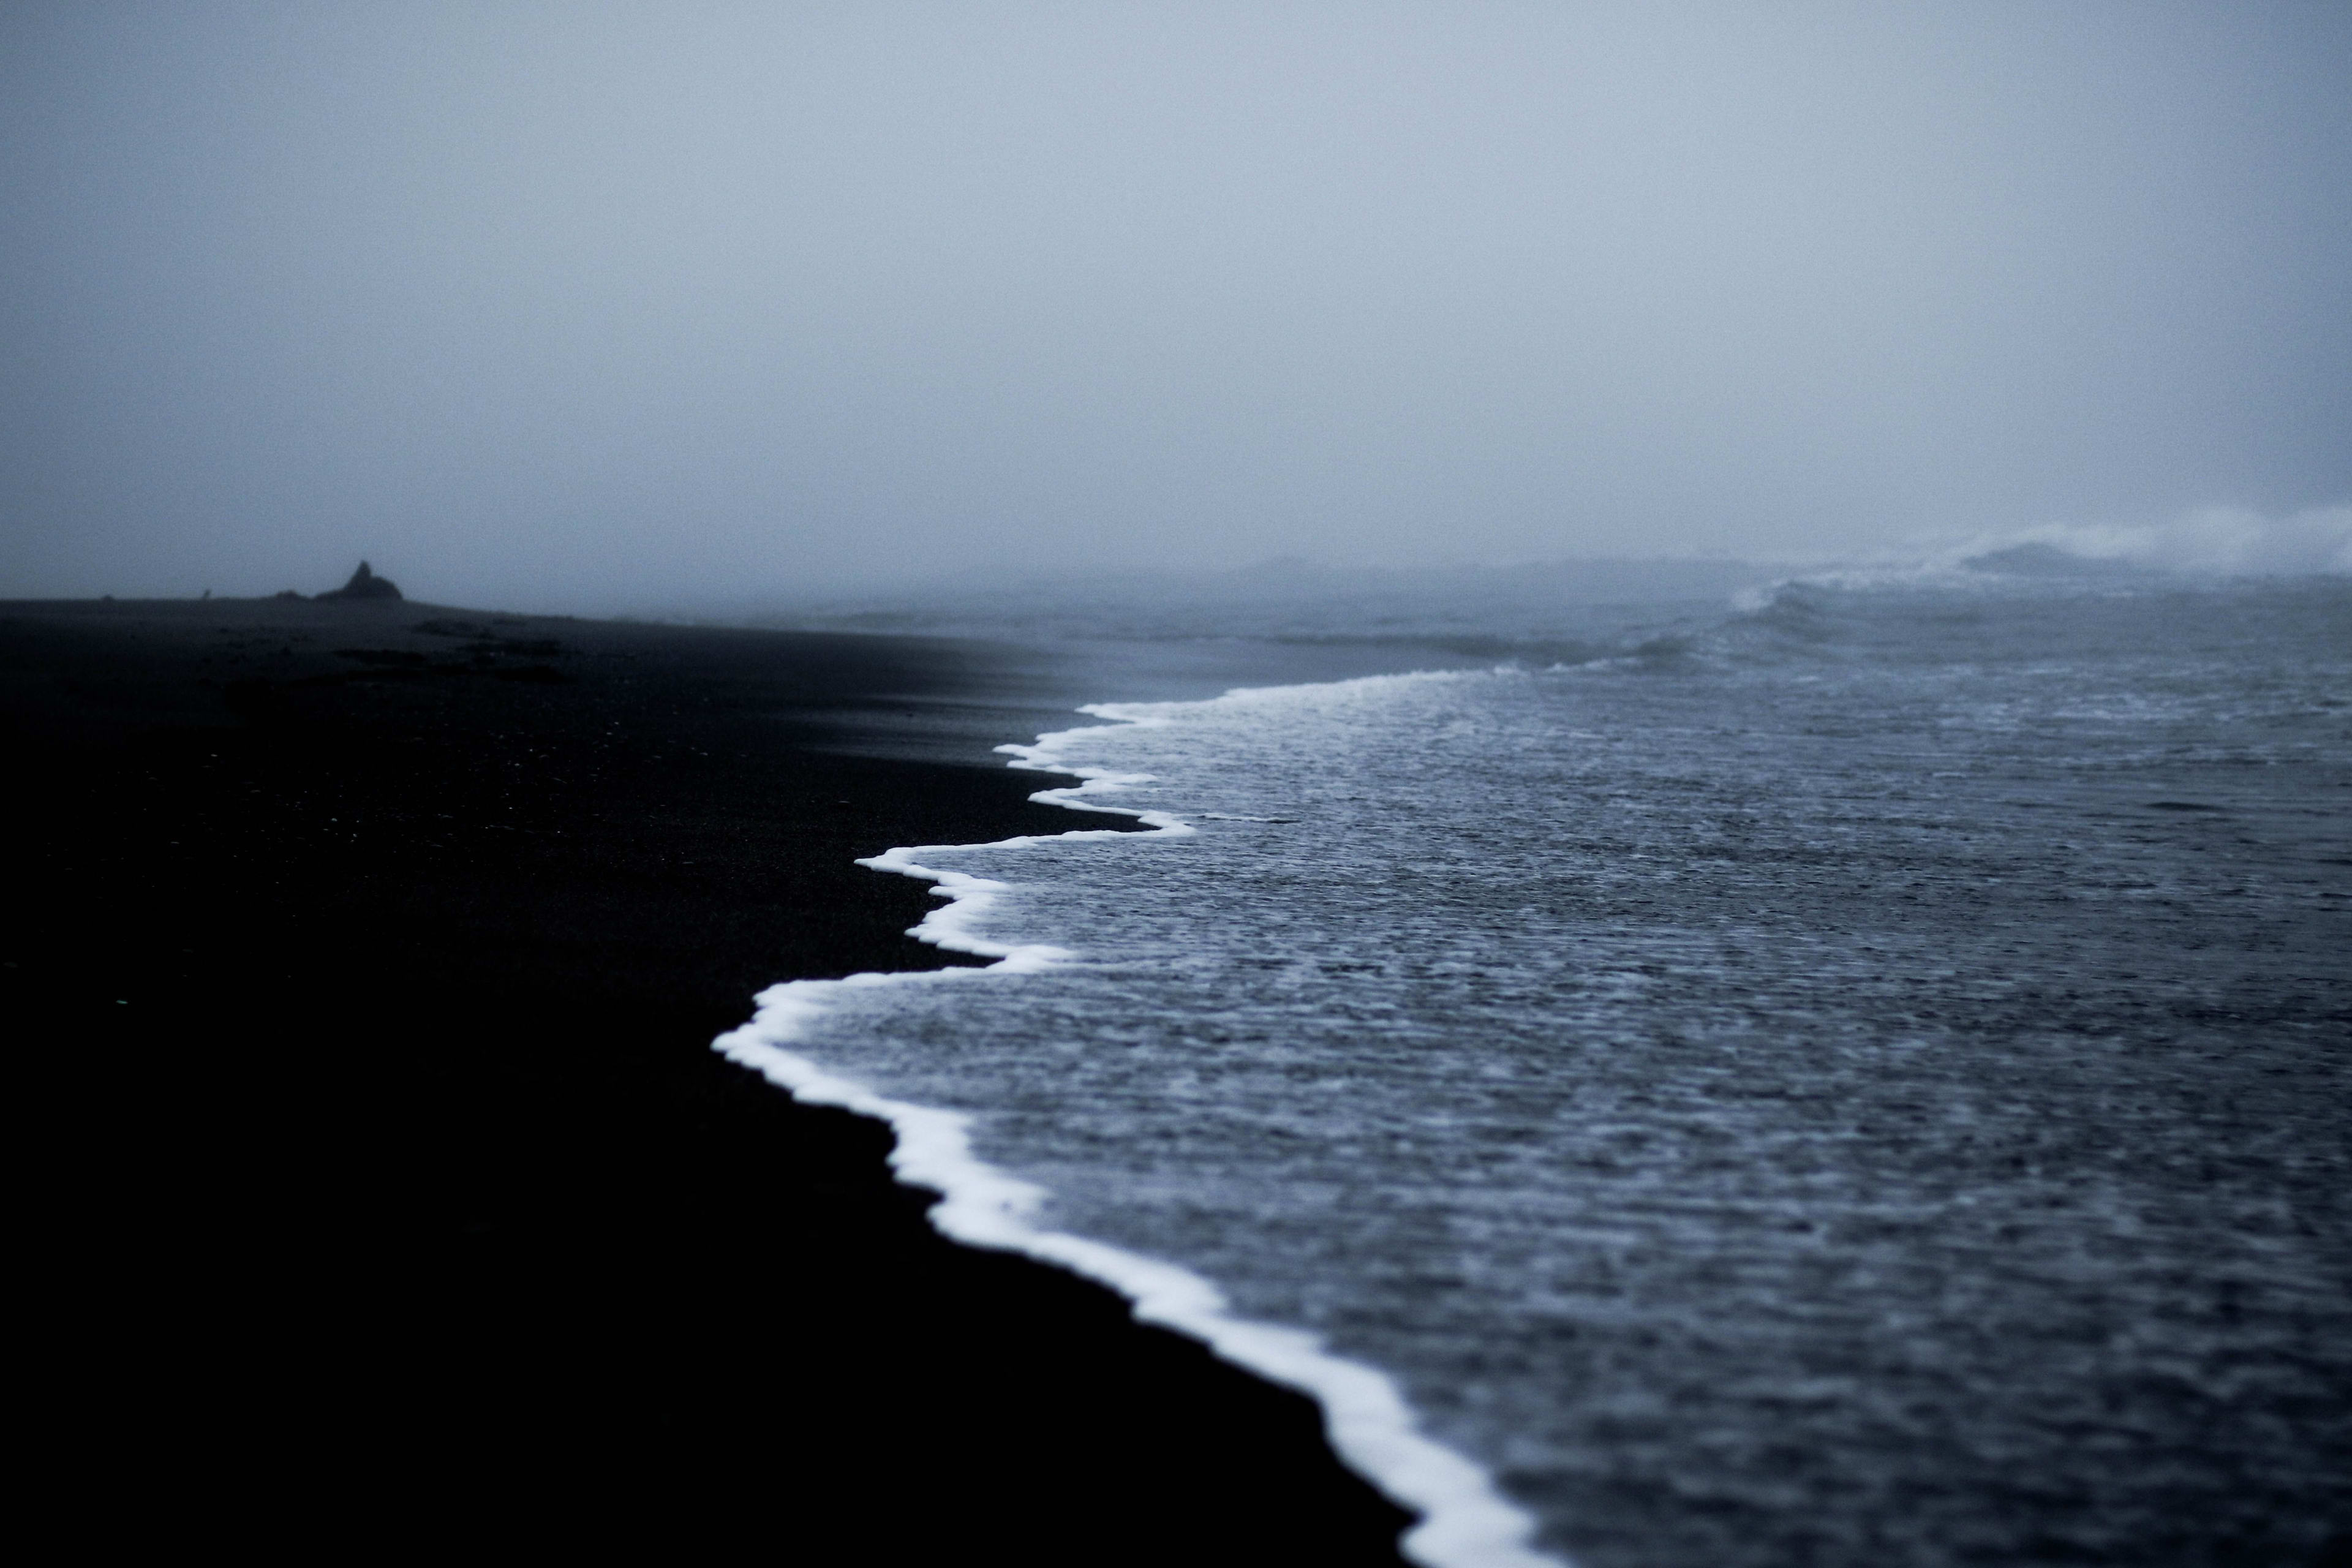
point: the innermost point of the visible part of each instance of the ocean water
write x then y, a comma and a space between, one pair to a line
1863, 1076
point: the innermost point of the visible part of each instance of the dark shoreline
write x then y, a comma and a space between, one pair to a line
370, 974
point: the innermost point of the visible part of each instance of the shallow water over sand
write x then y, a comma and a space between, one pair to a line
1859, 1081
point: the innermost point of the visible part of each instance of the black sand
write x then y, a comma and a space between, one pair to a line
386, 1189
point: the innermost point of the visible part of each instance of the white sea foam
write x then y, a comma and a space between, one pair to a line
2217, 540
1575, 1032
2208, 541
1465, 1522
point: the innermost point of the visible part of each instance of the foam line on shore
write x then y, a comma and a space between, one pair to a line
1464, 1522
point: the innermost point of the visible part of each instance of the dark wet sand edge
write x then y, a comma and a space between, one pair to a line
371, 973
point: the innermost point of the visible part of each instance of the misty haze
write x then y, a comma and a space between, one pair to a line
1473, 786
598, 306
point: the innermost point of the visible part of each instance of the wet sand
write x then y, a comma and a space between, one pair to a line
364, 961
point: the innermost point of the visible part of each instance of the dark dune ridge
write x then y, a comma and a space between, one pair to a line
364, 957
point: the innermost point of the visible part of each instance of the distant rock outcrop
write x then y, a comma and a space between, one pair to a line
364, 585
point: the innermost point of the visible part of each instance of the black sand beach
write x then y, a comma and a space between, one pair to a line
362, 961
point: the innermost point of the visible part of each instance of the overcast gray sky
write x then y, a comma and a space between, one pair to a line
592, 305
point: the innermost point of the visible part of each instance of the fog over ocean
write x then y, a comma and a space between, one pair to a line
619, 307
1764, 939
1852, 1077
